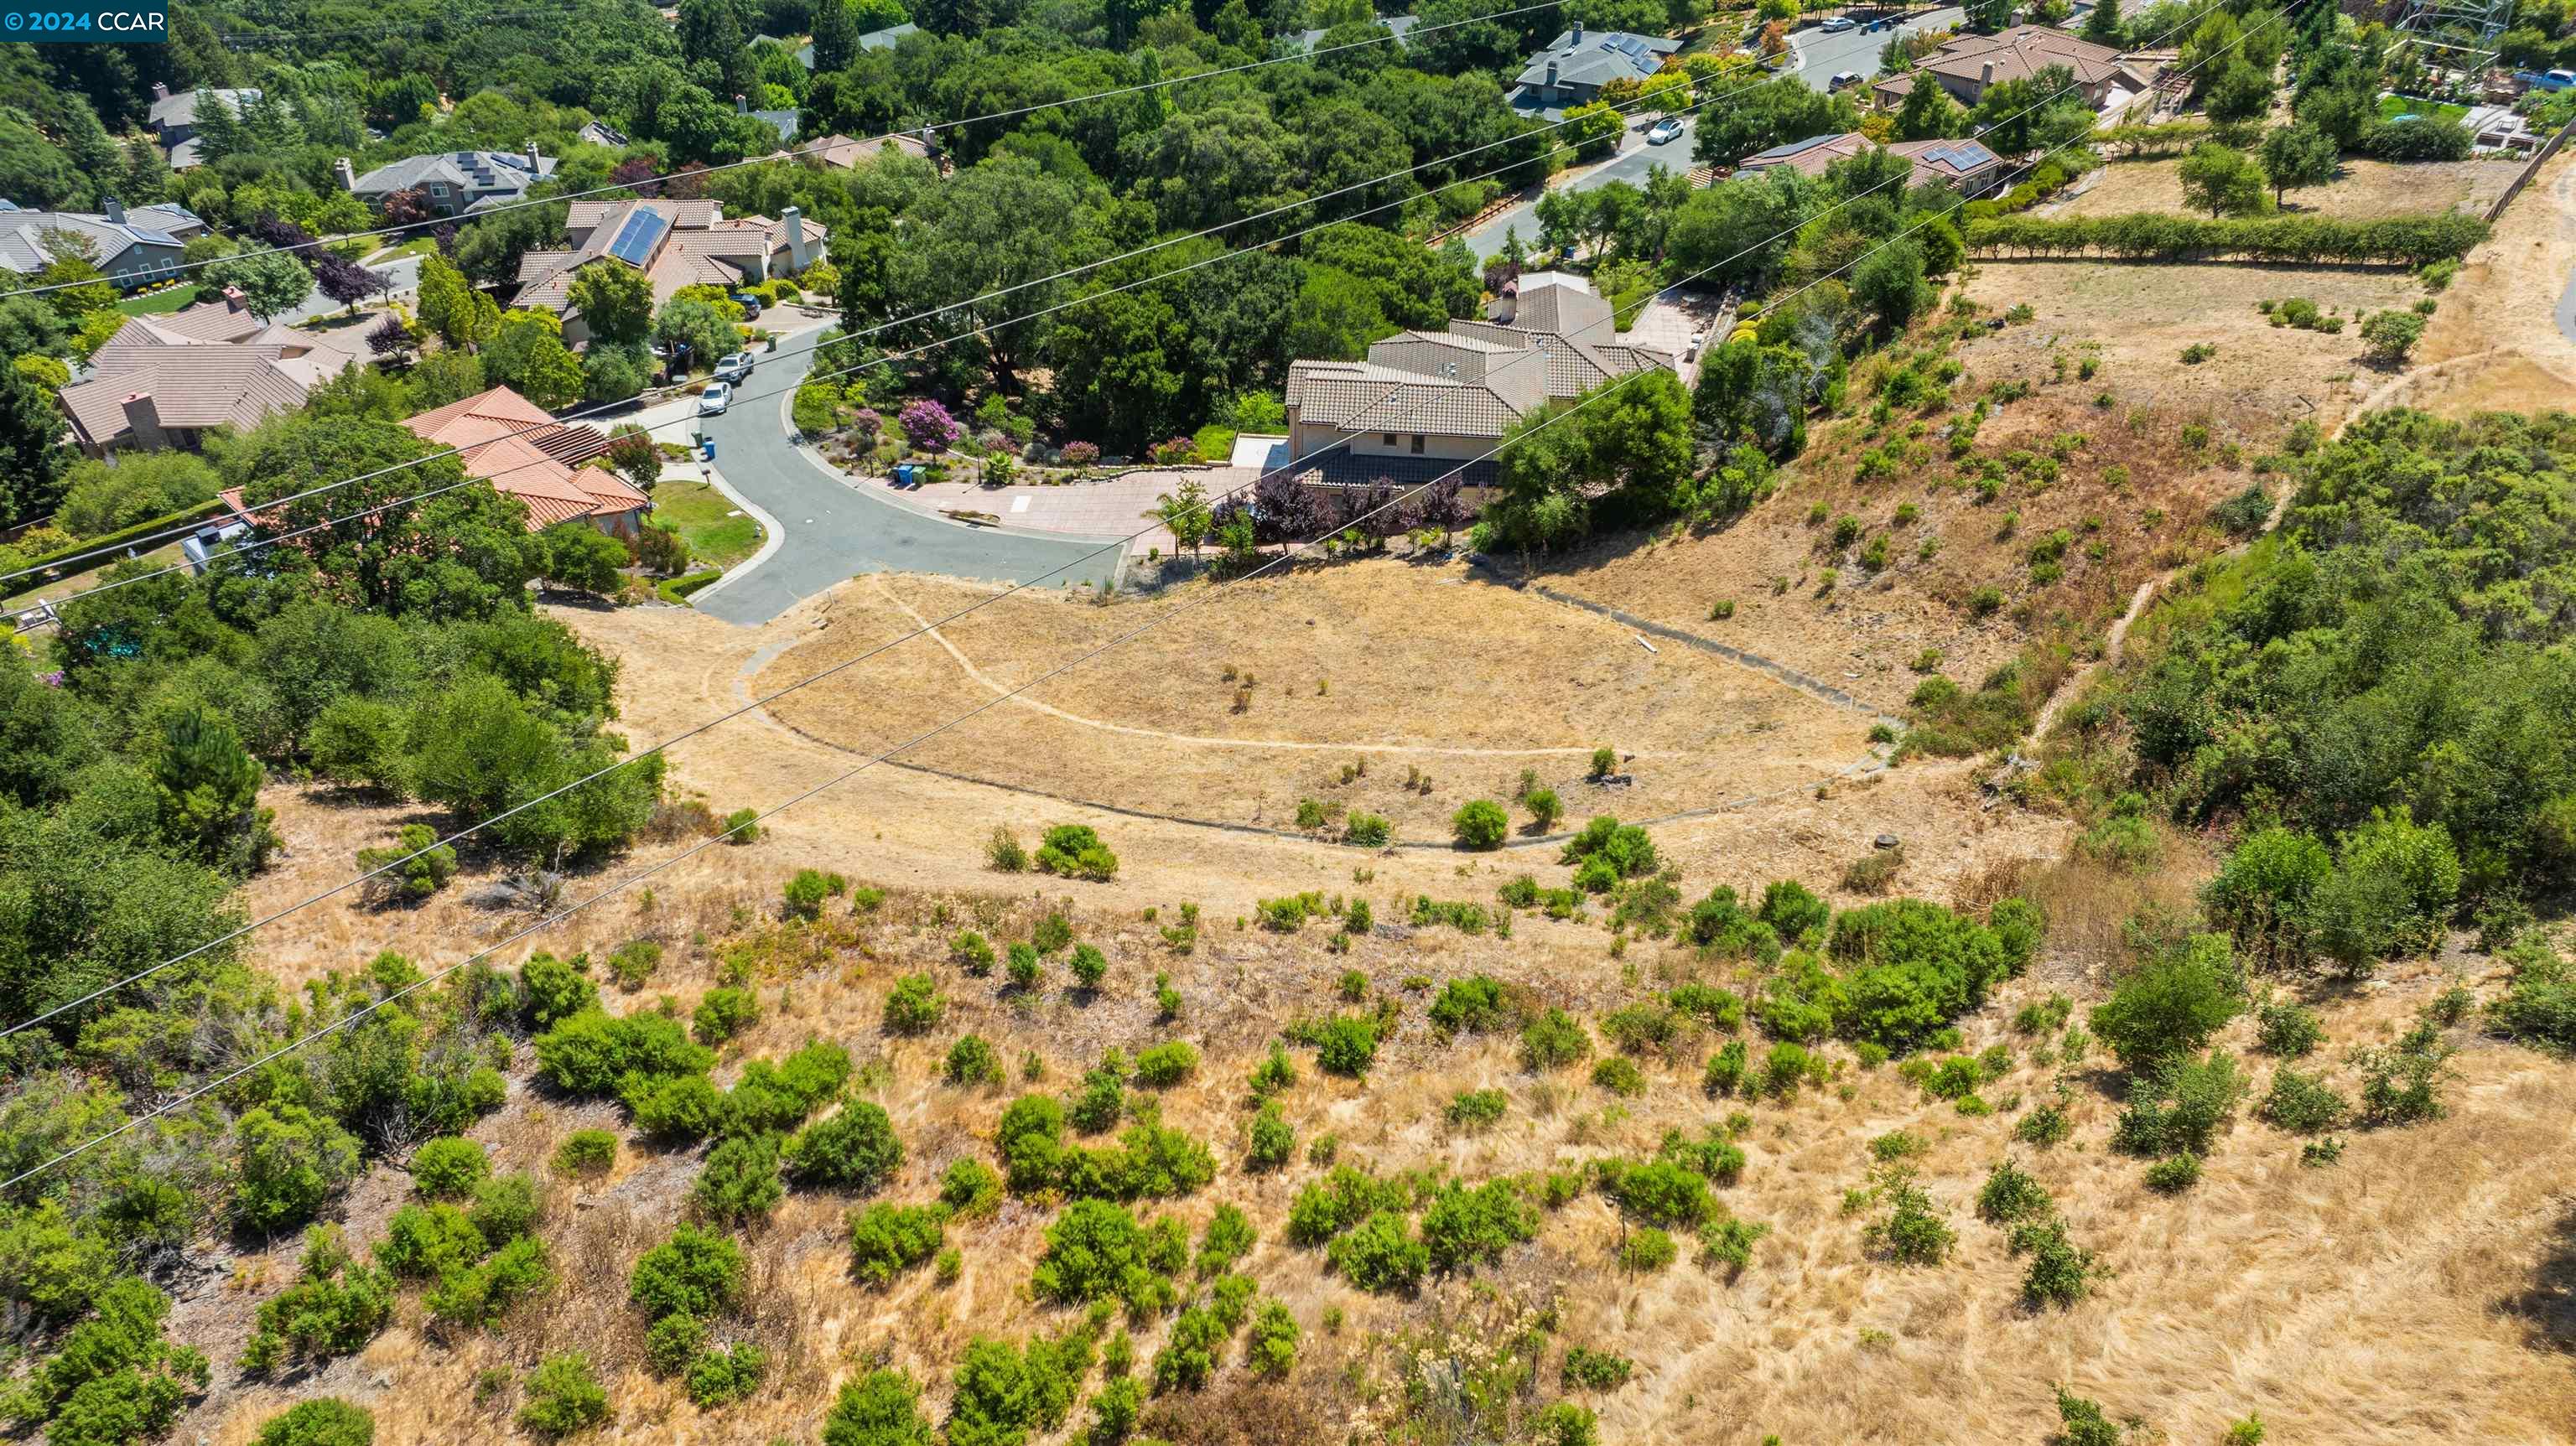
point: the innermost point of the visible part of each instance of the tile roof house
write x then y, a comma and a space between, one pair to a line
675, 243
173, 119
520, 449
133, 247
842, 153
1575, 65
165, 381
453, 182
1966, 167
1965, 65
1425, 400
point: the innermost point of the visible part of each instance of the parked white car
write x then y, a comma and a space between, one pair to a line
1844, 80
1664, 132
713, 401
1838, 25
734, 368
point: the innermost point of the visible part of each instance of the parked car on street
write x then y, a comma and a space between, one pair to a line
1844, 80
749, 303
1665, 131
734, 368
713, 401
1838, 25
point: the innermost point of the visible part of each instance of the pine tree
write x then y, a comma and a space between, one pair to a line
836, 36
33, 459
2103, 26
209, 787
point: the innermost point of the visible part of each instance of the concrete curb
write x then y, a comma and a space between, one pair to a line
772, 535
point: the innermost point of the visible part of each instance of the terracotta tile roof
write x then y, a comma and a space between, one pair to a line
2024, 51
523, 451
204, 381
691, 249
1943, 161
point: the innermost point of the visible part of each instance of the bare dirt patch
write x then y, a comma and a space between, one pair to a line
1339, 685
2495, 342
2366, 191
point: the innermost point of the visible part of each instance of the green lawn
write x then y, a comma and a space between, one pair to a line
416, 246
718, 534
160, 301
2393, 106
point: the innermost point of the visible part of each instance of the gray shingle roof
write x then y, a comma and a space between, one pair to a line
1598, 57
22, 233
476, 173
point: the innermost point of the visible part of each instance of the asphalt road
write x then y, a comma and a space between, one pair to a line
1820, 56
830, 531
402, 275
1635, 158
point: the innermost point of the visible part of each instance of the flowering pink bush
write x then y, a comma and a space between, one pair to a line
928, 426
1081, 454
1179, 449
868, 422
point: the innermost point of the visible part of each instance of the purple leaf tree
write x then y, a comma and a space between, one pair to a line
927, 425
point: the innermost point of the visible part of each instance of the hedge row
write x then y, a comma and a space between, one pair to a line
676, 590
2147, 236
37, 579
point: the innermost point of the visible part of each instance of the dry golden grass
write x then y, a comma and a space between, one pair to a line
2404, 1296
2365, 191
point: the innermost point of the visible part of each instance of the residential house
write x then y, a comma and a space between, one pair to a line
1425, 401
173, 119
1966, 65
675, 243
165, 381
1966, 167
520, 449
1575, 65
886, 39
1307, 40
782, 121
844, 154
452, 183
134, 248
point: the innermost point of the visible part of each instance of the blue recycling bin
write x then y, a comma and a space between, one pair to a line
903, 474
708, 449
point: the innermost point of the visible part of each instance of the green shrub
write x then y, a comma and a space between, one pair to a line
327, 1421
1475, 1110
1228, 1238
1025, 972
913, 1005
970, 1188
1728, 1242
1324, 1208
334, 1308
1347, 1045
427, 1241
1052, 934
1726, 1069
1462, 1227
1095, 1250
2182, 1107
739, 1182
672, 1342
2171, 1005
718, 1378
971, 1061
564, 1396
880, 1408
722, 1014
1271, 1349
1073, 851
2060, 1274
1162, 1066
1911, 1232
1647, 1249
1553, 1040
587, 1153
1662, 1193
1004, 853
2011, 1195
448, 1168
415, 867
2302, 1104
2401, 1083
1367, 830
689, 1107
694, 1273
1480, 824
1272, 1142
1089, 967
2174, 1174
973, 953
2043, 1127
1474, 1004
2082, 1423
1379, 1254
887, 1240
634, 963
855, 1148
1619, 1075
805, 893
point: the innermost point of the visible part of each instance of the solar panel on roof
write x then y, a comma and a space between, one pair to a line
635, 239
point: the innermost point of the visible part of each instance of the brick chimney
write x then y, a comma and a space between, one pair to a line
115, 211
1987, 76
794, 217
347, 173
233, 299
144, 419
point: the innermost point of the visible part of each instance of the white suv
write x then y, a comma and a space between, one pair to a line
734, 368
713, 401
